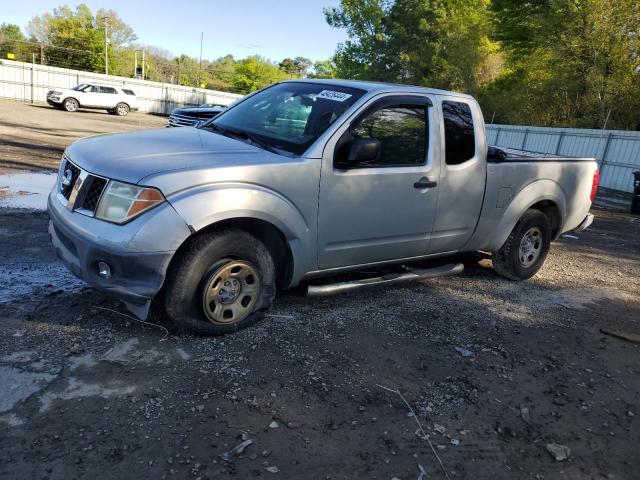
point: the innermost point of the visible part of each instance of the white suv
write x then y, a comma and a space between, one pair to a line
115, 100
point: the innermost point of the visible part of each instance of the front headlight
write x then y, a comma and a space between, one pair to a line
122, 202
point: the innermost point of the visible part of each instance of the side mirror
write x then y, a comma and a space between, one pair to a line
363, 150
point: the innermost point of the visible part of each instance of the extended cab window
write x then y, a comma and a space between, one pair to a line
459, 137
128, 92
401, 131
107, 90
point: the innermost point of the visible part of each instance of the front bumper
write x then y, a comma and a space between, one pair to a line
138, 252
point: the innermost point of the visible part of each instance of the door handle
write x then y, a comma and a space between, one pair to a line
424, 183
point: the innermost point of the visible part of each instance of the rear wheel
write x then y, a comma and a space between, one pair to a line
71, 105
525, 251
222, 282
122, 109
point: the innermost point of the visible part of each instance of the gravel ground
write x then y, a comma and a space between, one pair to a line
498, 376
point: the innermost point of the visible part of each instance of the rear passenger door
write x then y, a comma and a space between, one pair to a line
463, 175
107, 98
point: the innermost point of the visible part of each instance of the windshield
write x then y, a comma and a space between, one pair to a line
288, 116
81, 88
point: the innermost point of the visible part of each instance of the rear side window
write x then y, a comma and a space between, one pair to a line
459, 136
402, 132
107, 90
128, 92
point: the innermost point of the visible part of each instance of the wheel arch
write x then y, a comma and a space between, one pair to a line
543, 195
71, 97
553, 213
264, 212
272, 237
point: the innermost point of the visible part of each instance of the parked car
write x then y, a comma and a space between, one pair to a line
301, 181
115, 100
192, 116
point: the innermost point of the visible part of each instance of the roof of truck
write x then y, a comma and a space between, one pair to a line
381, 86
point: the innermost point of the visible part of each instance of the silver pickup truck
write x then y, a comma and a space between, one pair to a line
303, 180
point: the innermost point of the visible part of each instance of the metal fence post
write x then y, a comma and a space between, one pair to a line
559, 142
605, 152
524, 139
497, 142
33, 67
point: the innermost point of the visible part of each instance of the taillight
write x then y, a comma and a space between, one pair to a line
594, 185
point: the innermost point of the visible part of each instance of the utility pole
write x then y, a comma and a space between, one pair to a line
105, 23
143, 62
200, 64
135, 64
41, 53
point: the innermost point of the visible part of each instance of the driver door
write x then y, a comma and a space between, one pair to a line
89, 97
382, 210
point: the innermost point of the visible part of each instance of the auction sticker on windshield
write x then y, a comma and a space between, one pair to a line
336, 96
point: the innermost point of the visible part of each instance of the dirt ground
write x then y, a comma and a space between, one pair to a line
33, 137
494, 373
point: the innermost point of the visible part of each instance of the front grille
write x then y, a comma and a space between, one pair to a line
94, 193
65, 189
89, 188
176, 120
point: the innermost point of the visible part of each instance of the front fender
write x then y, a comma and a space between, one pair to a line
537, 191
209, 204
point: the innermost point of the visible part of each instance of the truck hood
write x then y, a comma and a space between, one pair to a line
130, 157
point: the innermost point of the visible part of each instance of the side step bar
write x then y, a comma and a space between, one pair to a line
391, 279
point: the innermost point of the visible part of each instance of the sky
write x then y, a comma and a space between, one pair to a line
275, 29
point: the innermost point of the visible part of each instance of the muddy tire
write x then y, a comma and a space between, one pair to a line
524, 252
221, 282
122, 109
71, 105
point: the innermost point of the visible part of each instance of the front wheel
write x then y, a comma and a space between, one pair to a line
524, 252
71, 105
221, 282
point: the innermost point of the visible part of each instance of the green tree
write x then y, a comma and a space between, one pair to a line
12, 41
568, 63
255, 72
288, 66
76, 38
295, 67
323, 69
71, 37
427, 42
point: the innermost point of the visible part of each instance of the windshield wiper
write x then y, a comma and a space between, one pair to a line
241, 134
217, 128
254, 139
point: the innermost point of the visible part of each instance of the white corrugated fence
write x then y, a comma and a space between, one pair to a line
617, 151
30, 82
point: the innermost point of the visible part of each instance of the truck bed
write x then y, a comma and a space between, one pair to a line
514, 177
